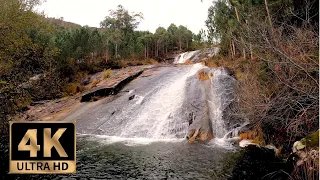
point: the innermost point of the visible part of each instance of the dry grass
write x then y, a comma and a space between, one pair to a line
126, 63
203, 76
94, 83
309, 170
107, 73
73, 88
256, 135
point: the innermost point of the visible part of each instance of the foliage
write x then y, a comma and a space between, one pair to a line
278, 72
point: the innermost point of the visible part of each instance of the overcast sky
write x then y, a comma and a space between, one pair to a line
190, 13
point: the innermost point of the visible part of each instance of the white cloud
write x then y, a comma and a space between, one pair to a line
190, 13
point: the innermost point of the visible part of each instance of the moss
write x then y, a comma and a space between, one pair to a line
312, 140
239, 75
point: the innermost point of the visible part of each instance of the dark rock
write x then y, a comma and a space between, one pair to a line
259, 163
109, 91
131, 97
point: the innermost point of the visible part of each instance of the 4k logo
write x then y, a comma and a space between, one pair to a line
42, 147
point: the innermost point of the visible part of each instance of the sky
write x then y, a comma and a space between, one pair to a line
189, 13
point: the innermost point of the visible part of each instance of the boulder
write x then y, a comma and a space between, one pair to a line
199, 135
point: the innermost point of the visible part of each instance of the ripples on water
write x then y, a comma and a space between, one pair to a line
108, 158
102, 157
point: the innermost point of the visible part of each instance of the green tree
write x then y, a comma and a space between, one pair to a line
121, 24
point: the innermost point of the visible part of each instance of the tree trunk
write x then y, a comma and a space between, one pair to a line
269, 17
107, 52
237, 14
116, 50
251, 57
244, 53
145, 51
233, 49
243, 50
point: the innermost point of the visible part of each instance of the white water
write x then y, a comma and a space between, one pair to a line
155, 112
221, 95
160, 116
182, 58
195, 56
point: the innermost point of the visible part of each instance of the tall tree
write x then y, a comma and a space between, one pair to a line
121, 24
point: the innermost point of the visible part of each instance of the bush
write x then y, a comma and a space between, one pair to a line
73, 88
107, 73
94, 83
51, 86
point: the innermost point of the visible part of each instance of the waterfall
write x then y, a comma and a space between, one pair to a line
156, 112
195, 56
160, 107
160, 117
182, 58
220, 96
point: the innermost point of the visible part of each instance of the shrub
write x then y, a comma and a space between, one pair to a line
107, 73
73, 88
94, 83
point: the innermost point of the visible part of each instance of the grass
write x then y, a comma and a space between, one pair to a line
107, 73
94, 83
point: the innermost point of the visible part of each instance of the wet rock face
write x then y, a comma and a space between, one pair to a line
199, 135
200, 128
211, 104
259, 163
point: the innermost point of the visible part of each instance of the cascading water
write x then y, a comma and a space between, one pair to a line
152, 116
195, 56
160, 117
182, 58
221, 95
154, 113
159, 107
